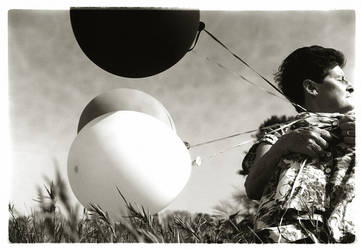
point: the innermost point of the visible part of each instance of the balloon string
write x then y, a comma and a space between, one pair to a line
201, 27
244, 78
241, 60
281, 126
230, 148
246, 64
222, 138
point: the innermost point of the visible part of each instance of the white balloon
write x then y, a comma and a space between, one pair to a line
124, 99
133, 151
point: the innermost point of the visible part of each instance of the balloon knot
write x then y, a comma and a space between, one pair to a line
201, 26
187, 144
197, 162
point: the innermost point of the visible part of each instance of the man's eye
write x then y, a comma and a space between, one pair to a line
342, 79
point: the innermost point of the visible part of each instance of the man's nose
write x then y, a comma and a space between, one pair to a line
350, 88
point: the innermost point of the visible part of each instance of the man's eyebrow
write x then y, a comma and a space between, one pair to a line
338, 75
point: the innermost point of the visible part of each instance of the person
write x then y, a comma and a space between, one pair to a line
301, 169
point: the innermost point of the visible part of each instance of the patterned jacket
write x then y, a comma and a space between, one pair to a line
319, 191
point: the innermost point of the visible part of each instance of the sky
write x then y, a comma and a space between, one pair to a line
51, 80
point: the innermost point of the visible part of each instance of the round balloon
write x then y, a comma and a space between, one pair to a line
131, 151
134, 42
124, 99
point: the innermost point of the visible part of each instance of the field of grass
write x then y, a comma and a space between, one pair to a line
49, 224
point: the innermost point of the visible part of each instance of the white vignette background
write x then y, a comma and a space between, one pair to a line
222, 5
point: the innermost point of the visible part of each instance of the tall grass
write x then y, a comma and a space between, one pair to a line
50, 224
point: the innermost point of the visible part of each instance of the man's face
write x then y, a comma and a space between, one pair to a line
335, 93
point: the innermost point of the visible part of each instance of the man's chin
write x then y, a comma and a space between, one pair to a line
347, 109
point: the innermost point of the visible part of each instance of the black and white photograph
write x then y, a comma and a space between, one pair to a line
154, 124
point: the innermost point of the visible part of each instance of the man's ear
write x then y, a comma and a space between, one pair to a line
310, 87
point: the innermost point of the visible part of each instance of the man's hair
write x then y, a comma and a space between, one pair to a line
312, 63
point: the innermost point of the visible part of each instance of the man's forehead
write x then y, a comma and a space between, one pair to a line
336, 71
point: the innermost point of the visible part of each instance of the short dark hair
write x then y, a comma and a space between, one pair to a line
312, 63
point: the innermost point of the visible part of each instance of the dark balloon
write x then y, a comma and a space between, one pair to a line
134, 42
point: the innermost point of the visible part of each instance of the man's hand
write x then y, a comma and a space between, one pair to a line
311, 141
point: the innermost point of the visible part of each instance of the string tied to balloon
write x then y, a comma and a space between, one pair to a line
202, 28
245, 79
271, 129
